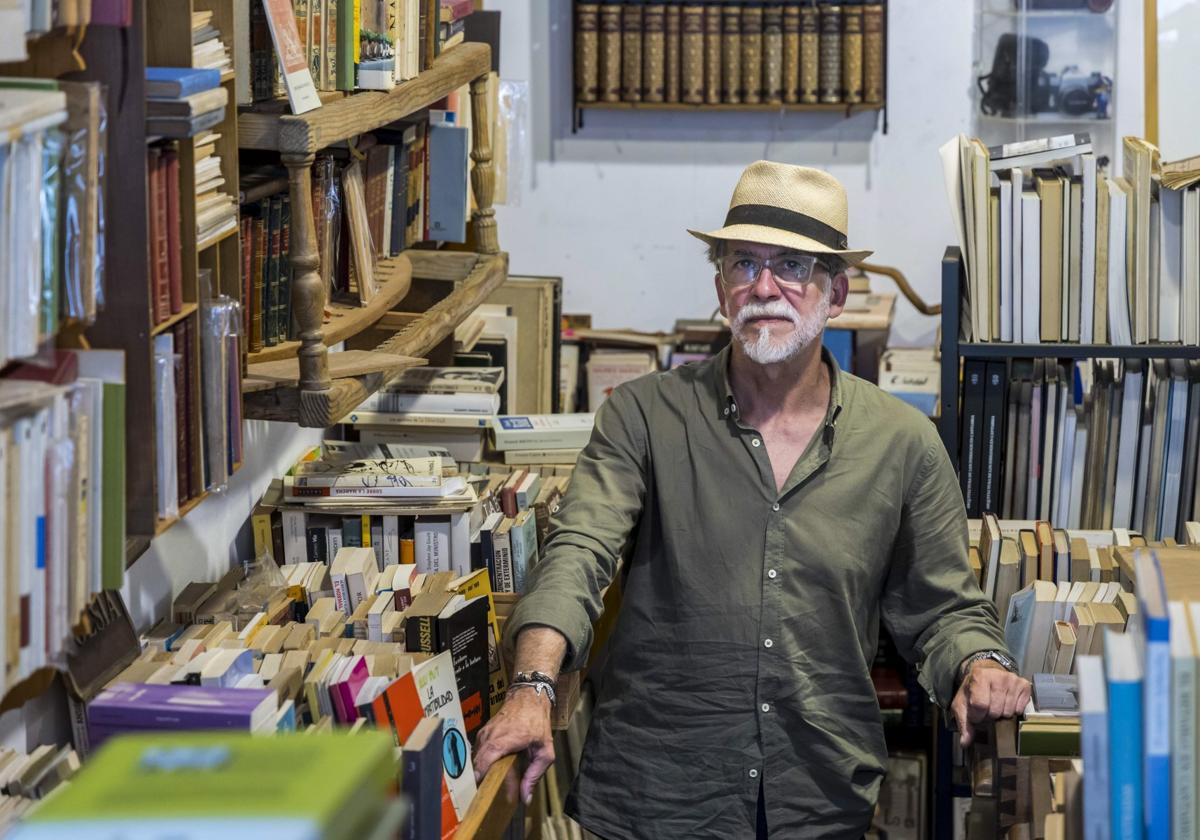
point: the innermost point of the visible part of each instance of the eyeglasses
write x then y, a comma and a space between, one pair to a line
795, 270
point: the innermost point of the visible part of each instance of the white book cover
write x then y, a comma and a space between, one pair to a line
1087, 272
1184, 673
1190, 267
1006, 260
5, 442
1127, 448
1031, 267
391, 539
295, 538
1093, 743
1170, 264
1120, 328
1016, 256
1064, 464
543, 431
438, 690
460, 543
292, 54
431, 536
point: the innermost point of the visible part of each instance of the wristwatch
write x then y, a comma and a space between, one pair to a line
998, 656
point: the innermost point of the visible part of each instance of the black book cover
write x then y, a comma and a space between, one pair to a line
318, 545
995, 400
422, 779
271, 286
352, 532
465, 635
971, 436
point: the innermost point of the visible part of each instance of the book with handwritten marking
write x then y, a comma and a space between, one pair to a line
371, 478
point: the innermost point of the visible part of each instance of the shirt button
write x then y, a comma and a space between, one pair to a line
772, 574
775, 507
767, 643
753, 774
726, 412
733, 407
756, 442
766, 707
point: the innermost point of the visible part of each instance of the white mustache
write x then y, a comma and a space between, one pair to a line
770, 309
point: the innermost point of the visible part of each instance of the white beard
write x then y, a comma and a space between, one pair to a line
767, 350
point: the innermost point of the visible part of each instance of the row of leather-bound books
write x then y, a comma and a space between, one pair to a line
730, 53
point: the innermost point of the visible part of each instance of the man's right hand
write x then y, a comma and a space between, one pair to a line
523, 723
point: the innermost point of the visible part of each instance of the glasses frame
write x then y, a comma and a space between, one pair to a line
770, 262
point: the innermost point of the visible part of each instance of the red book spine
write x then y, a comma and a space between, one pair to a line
247, 244
174, 257
162, 289
153, 156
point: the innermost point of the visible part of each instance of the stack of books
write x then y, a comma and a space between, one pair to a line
216, 209
182, 102
542, 438
208, 50
1093, 444
1056, 250
445, 407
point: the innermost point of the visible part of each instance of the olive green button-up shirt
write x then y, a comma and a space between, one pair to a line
750, 617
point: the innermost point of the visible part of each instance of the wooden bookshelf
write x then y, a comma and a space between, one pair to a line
496, 803
160, 35
318, 398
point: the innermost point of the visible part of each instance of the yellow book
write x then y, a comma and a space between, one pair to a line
472, 586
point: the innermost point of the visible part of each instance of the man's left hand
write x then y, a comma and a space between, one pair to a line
988, 692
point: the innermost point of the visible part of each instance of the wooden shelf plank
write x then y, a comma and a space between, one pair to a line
319, 409
495, 803
188, 309
210, 241
345, 117
267, 375
394, 276
184, 509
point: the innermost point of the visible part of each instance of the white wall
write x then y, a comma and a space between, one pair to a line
216, 534
607, 207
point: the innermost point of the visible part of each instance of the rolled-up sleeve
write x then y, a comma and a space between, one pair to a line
590, 532
932, 605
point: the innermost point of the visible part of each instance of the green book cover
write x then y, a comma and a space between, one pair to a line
228, 785
113, 499
347, 43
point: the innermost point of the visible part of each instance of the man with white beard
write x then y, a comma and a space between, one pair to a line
766, 511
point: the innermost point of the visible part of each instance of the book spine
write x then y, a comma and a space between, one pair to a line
672, 51
810, 50
587, 52
631, 52
181, 418
271, 299
653, 52
258, 278
341, 596
191, 386
317, 545
316, 50
610, 52
283, 301
751, 88
873, 54
993, 437
831, 53
246, 243
791, 52
772, 77
714, 44
971, 435
731, 54
1125, 760
174, 259
329, 63
852, 54
691, 59
347, 39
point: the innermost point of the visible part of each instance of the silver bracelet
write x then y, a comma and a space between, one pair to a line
538, 686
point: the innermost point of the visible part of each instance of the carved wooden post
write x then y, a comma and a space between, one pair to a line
483, 177
308, 292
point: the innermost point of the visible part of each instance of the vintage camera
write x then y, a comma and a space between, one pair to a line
1013, 90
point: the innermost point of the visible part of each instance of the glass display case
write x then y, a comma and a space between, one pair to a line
1045, 67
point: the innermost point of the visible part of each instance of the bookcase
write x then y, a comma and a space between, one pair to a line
160, 34
756, 55
299, 381
955, 353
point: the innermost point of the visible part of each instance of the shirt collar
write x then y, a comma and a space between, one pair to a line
727, 406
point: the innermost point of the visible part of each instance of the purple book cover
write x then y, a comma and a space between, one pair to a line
145, 706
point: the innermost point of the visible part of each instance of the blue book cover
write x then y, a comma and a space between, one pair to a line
1155, 634
1093, 746
1125, 740
178, 82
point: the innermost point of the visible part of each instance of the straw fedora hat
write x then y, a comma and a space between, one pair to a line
789, 206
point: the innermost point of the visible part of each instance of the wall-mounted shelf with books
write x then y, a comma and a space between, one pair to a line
777, 56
